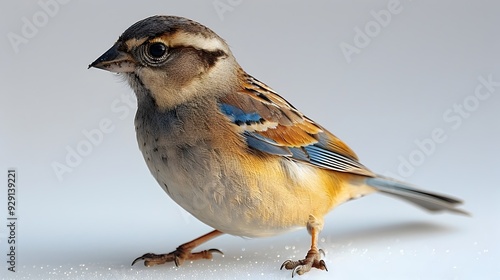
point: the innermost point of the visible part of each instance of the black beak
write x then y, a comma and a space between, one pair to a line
115, 60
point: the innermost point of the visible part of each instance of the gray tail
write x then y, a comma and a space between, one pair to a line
428, 200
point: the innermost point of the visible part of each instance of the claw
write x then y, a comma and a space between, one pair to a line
177, 261
313, 259
182, 253
215, 251
322, 252
136, 260
285, 263
297, 270
323, 265
177, 257
143, 257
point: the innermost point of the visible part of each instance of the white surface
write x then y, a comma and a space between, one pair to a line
109, 210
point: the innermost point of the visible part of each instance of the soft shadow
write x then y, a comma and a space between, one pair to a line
376, 233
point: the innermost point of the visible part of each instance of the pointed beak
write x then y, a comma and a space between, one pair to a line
115, 60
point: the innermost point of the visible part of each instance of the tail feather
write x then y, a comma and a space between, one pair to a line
428, 200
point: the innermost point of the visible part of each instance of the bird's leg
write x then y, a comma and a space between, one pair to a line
313, 257
182, 253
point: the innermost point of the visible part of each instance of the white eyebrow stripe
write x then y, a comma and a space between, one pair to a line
132, 43
197, 41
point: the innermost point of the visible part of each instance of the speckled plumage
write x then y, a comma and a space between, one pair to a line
229, 149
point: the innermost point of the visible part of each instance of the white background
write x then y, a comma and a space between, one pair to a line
396, 90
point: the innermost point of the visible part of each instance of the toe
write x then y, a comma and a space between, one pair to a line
301, 269
289, 264
322, 265
297, 270
143, 257
313, 259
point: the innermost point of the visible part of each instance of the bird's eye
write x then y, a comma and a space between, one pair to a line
153, 53
157, 50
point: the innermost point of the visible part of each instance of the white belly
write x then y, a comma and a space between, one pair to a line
214, 192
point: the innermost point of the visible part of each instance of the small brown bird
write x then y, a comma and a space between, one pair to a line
229, 149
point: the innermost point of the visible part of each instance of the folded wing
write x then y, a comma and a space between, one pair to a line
272, 125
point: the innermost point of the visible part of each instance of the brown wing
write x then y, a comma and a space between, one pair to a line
271, 124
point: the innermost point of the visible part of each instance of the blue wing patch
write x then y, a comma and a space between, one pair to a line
254, 140
316, 154
238, 116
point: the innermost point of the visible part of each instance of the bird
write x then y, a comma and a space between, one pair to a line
230, 150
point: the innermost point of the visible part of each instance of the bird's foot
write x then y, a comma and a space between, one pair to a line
313, 259
178, 256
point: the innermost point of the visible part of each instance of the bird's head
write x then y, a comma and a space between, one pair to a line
172, 60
